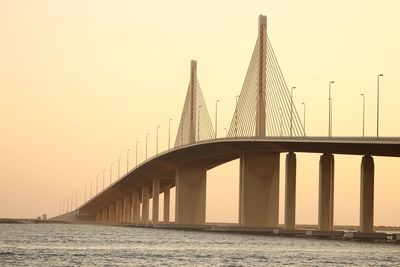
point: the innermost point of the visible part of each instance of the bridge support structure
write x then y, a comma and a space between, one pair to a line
135, 207
156, 197
190, 201
167, 190
111, 212
367, 195
145, 204
259, 189
118, 211
104, 215
127, 209
290, 191
326, 192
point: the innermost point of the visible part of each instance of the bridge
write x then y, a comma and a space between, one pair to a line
265, 123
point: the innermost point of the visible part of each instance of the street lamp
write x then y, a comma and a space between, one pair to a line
97, 183
127, 160
76, 199
304, 118
216, 117
169, 133
291, 111
198, 123
137, 142
111, 165
119, 166
147, 134
330, 110
158, 127
85, 193
377, 107
236, 115
90, 196
104, 175
363, 115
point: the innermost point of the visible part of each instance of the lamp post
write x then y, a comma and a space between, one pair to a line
377, 106
63, 206
119, 167
198, 123
97, 183
127, 160
137, 142
291, 111
169, 133
90, 196
158, 127
216, 117
236, 115
330, 110
104, 176
76, 199
85, 193
147, 134
72, 197
304, 118
363, 115
111, 165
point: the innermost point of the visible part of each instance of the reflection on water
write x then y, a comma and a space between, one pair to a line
74, 245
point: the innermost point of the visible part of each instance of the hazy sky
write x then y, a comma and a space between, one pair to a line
82, 81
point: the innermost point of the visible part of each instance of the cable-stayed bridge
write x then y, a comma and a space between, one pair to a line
264, 124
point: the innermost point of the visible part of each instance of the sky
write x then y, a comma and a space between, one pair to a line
82, 81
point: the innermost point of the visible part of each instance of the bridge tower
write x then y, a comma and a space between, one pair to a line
262, 60
192, 88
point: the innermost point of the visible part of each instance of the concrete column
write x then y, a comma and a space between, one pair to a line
127, 209
190, 202
118, 211
111, 214
167, 189
259, 189
156, 197
145, 204
326, 192
104, 216
367, 195
290, 191
98, 216
135, 207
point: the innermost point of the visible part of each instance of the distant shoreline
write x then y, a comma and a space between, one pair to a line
299, 226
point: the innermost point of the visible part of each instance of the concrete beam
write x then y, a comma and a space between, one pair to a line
167, 189
156, 197
135, 207
367, 195
190, 203
326, 192
259, 189
290, 191
145, 204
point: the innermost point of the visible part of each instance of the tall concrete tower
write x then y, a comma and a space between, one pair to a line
262, 59
193, 104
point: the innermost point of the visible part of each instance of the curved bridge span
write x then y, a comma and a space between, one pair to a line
185, 167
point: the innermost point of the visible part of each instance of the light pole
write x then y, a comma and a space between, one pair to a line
119, 166
137, 142
72, 197
236, 115
111, 165
377, 107
63, 206
90, 196
363, 115
198, 123
169, 133
127, 160
76, 199
280, 121
147, 134
67, 204
291, 111
97, 183
85, 193
304, 118
104, 176
158, 127
216, 117
330, 110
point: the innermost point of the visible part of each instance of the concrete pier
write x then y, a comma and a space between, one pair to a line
111, 212
104, 215
167, 189
156, 197
290, 191
127, 209
259, 189
367, 195
190, 204
118, 211
326, 192
145, 204
135, 207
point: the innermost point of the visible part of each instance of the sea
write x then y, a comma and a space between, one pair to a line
97, 245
